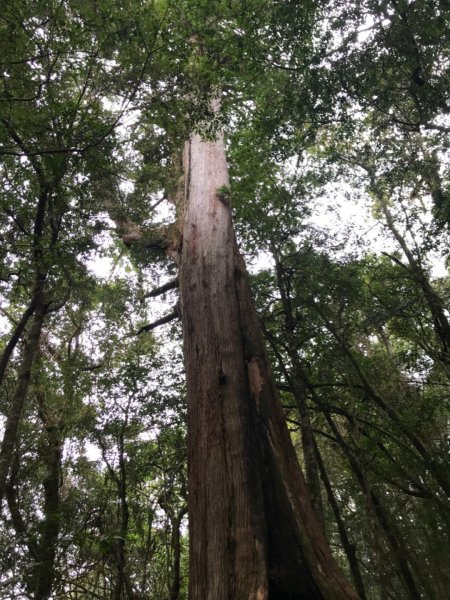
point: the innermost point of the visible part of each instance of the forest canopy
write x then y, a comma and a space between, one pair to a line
164, 432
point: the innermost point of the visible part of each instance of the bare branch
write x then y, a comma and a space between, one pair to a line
175, 314
170, 285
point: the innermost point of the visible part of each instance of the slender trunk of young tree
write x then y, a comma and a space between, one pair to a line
435, 467
297, 383
175, 522
21, 527
15, 337
398, 548
36, 312
124, 517
350, 549
18, 400
253, 532
52, 454
435, 303
298, 388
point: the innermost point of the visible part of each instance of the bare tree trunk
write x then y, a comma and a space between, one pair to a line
253, 532
298, 388
124, 517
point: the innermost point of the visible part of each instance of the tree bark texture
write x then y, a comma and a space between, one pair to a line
253, 532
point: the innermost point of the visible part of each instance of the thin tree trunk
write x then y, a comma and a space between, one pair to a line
349, 548
15, 337
122, 583
253, 532
24, 535
298, 387
149, 551
398, 548
297, 383
175, 586
18, 400
436, 468
38, 308
434, 301
45, 567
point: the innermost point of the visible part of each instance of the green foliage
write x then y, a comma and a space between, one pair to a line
97, 99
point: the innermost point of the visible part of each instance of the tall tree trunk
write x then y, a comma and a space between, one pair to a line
23, 533
123, 517
253, 532
37, 309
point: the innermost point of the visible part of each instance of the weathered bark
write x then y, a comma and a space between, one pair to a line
253, 532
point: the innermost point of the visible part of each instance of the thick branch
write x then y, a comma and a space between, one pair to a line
18, 401
20, 326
